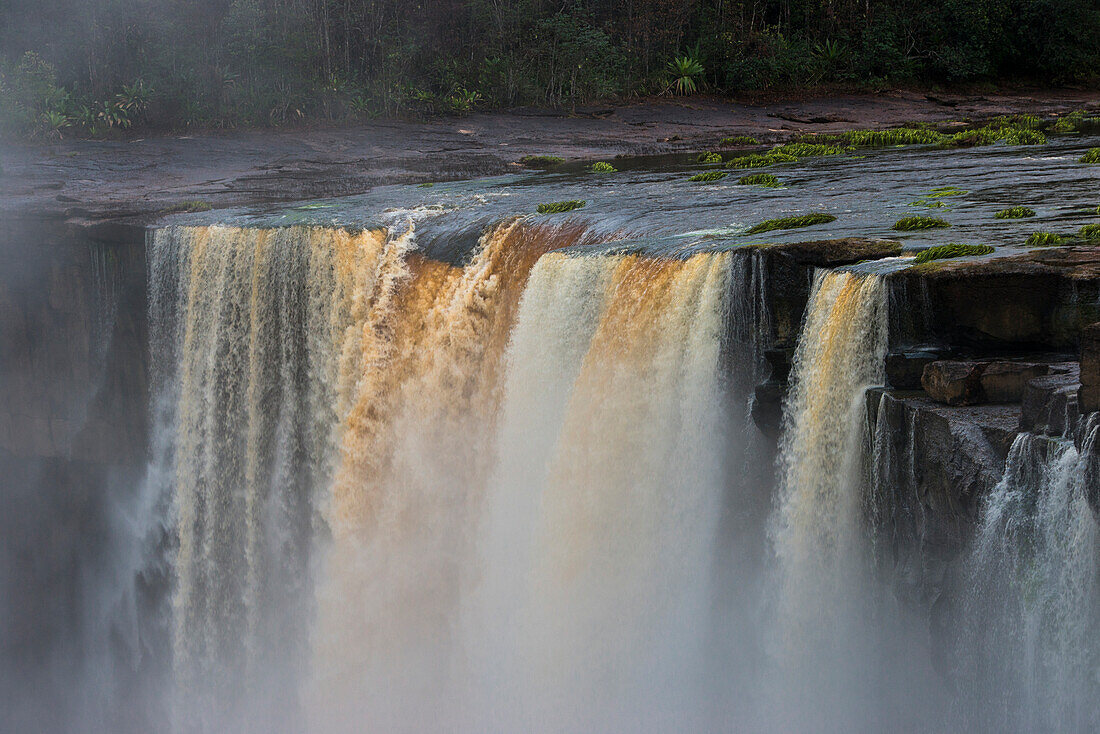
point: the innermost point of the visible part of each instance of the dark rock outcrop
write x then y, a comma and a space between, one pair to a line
930, 466
976, 382
1038, 301
1088, 398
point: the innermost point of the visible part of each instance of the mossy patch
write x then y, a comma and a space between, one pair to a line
1014, 130
808, 150
805, 220
945, 191
1092, 156
882, 138
188, 207
1090, 232
1045, 239
909, 224
759, 160
955, 249
759, 179
930, 203
708, 176
709, 157
425, 185
1016, 212
541, 161
602, 167
558, 207
740, 140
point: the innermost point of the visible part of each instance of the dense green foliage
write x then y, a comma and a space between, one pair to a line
709, 157
944, 252
708, 176
558, 207
1092, 156
99, 65
1090, 232
1016, 212
1044, 239
908, 224
805, 220
602, 167
759, 179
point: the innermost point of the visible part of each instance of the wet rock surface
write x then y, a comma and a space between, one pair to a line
1089, 396
139, 177
931, 464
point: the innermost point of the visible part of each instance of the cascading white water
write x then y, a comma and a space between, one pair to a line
602, 514
821, 629
1027, 652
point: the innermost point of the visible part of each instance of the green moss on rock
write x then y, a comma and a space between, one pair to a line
1090, 232
953, 250
759, 160
558, 207
909, 224
759, 179
882, 138
708, 176
709, 157
805, 220
807, 150
1092, 156
602, 167
1045, 239
1016, 212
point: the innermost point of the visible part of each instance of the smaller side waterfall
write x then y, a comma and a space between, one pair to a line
817, 524
1029, 659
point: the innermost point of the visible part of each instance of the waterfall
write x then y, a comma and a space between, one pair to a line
411, 495
821, 626
602, 515
1027, 657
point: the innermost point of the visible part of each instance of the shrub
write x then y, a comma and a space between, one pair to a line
1016, 212
805, 220
709, 158
1044, 239
944, 252
684, 70
759, 160
558, 207
740, 140
541, 161
1092, 156
759, 179
708, 176
1090, 232
908, 224
602, 167
194, 205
